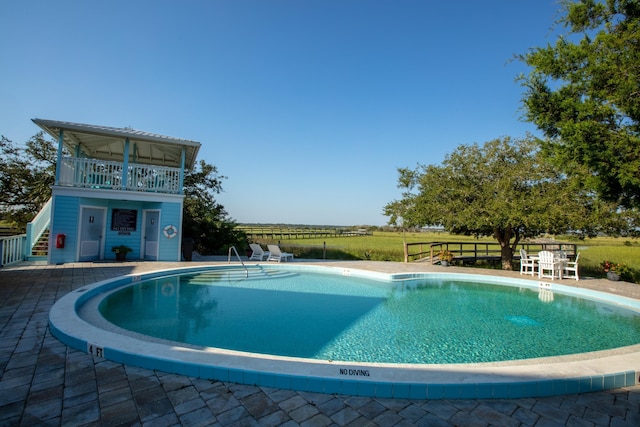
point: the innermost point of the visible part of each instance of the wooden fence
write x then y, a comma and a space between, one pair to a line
281, 233
473, 251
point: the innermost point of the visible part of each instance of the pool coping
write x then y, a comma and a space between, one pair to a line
579, 373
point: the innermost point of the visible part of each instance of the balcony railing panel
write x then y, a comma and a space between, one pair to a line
153, 178
91, 173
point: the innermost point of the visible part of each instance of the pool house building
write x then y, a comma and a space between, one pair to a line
113, 187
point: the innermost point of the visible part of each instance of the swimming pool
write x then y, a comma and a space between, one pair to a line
318, 368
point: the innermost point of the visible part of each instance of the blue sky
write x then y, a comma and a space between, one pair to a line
307, 107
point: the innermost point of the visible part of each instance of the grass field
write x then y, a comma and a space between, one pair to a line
388, 246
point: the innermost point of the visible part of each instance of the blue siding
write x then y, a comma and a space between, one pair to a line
66, 214
170, 214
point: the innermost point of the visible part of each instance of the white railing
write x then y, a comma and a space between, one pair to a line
12, 249
91, 173
153, 178
38, 225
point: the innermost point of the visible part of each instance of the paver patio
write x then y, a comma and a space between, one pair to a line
44, 382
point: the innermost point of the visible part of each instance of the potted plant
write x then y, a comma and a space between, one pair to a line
446, 256
121, 252
614, 270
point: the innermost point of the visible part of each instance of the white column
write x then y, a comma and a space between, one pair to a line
59, 157
125, 164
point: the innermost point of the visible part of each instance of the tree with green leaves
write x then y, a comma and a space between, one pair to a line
583, 92
504, 189
26, 176
205, 220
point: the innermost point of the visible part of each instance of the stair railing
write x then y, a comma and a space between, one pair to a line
37, 226
233, 248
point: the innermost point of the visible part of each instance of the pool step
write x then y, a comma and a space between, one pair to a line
238, 274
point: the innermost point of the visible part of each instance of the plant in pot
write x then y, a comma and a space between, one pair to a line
614, 271
446, 256
121, 251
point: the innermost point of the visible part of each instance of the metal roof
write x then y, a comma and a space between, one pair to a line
107, 143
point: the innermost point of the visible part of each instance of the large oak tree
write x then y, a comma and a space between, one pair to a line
504, 189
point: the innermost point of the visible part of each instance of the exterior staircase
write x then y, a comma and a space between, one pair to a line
41, 247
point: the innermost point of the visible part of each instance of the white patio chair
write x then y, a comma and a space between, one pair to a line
549, 266
277, 255
569, 267
527, 264
560, 254
257, 253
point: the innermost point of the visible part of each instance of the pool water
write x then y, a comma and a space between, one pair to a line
332, 317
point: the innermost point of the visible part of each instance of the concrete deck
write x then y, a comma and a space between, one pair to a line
44, 382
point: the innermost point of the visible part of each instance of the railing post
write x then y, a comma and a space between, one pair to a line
125, 164
59, 156
183, 156
406, 252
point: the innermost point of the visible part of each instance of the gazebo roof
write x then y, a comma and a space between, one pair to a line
107, 143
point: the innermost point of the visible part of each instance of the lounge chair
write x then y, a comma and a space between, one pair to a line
257, 253
527, 264
275, 254
549, 265
569, 267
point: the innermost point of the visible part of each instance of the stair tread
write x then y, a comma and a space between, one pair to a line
41, 247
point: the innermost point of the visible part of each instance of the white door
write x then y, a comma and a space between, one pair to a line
92, 226
150, 234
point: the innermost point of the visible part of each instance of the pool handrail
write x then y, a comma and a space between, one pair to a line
239, 259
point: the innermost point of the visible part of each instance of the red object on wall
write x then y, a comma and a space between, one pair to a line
60, 241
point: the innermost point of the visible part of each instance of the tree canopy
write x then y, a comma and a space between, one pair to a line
205, 220
583, 92
26, 176
504, 189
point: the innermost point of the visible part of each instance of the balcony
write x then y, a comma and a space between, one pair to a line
92, 173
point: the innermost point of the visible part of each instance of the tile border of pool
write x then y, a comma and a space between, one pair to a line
579, 373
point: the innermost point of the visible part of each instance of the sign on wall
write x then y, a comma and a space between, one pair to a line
124, 219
